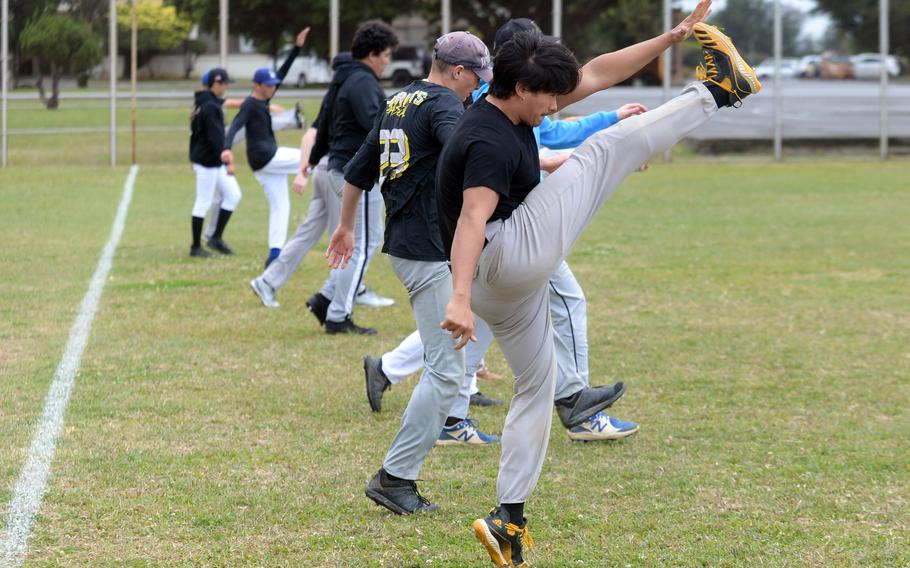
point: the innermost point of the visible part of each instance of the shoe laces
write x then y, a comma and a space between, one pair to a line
420, 497
524, 535
709, 71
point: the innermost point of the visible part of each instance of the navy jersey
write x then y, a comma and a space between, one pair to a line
401, 152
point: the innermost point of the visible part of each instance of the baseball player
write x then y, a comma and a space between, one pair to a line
352, 104
402, 148
506, 234
322, 215
271, 165
282, 119
206, 141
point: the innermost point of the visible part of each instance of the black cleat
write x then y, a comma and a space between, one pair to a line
347, 326
399, 496
216, 243
377, 382
199, 252
319, 307
503, 539
575, 409
479, 399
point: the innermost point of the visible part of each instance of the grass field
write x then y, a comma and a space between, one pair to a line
759, 313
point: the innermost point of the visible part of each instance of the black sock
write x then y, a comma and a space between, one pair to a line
721, 97
516, 512
197, 230
223, 217
451, 421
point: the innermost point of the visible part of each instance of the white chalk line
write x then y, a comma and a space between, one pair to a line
29, 490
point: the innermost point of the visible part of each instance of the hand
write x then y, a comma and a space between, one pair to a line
227, 157
300, 182
341, 247
301, 37
550, 164
631, 109
230, 169
460, 321
684, 29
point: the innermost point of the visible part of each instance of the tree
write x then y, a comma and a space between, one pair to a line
60, 42
751, 25
159, 28
859, 19
21, 12
272, 24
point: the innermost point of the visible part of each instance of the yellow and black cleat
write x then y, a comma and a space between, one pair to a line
724, 66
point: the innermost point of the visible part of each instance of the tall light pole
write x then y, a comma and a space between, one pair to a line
4, 79
883, 41
778, 86
446, 23
667, 63
557, 18
222, 33
334, 31
134, 58
112, 57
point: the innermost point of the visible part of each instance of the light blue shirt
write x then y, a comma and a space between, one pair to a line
562, 134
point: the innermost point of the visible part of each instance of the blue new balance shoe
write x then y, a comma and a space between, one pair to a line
465, 433
602, 427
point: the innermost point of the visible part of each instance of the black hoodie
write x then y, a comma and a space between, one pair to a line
207, 130
348, 111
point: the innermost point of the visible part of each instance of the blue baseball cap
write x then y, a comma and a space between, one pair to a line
266, 76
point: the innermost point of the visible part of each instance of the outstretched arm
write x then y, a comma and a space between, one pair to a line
611, 68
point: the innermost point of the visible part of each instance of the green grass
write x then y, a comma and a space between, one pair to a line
760, 314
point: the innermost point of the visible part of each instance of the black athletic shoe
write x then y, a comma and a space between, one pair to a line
479, 399
377, 382
503, 539
398, 496
219, 245
318, 306
199, 252
575, 409
347, 326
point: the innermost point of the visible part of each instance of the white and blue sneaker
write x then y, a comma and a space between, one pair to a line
465, 433
602, 427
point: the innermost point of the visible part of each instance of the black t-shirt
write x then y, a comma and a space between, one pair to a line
402, 148
207, 130
488, 150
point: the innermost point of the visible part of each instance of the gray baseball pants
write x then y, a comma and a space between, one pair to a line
323, 214
510, 283
429, 286
343, 283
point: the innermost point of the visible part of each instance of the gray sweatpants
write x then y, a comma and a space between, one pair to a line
569, 314
429, 286
323, 214
510, 284
343, 283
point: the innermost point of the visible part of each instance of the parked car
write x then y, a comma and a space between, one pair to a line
765, 69
869, 65
306, 69
409, 62
836, 67
809, 67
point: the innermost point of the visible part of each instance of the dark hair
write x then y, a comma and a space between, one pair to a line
373, 37
540, 64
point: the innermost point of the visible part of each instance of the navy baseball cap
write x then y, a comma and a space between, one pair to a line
266, 76
216, 75
514, 26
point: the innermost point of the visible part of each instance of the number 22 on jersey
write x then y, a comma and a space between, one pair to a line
394, 153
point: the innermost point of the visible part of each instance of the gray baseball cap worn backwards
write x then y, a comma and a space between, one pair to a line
464, 48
